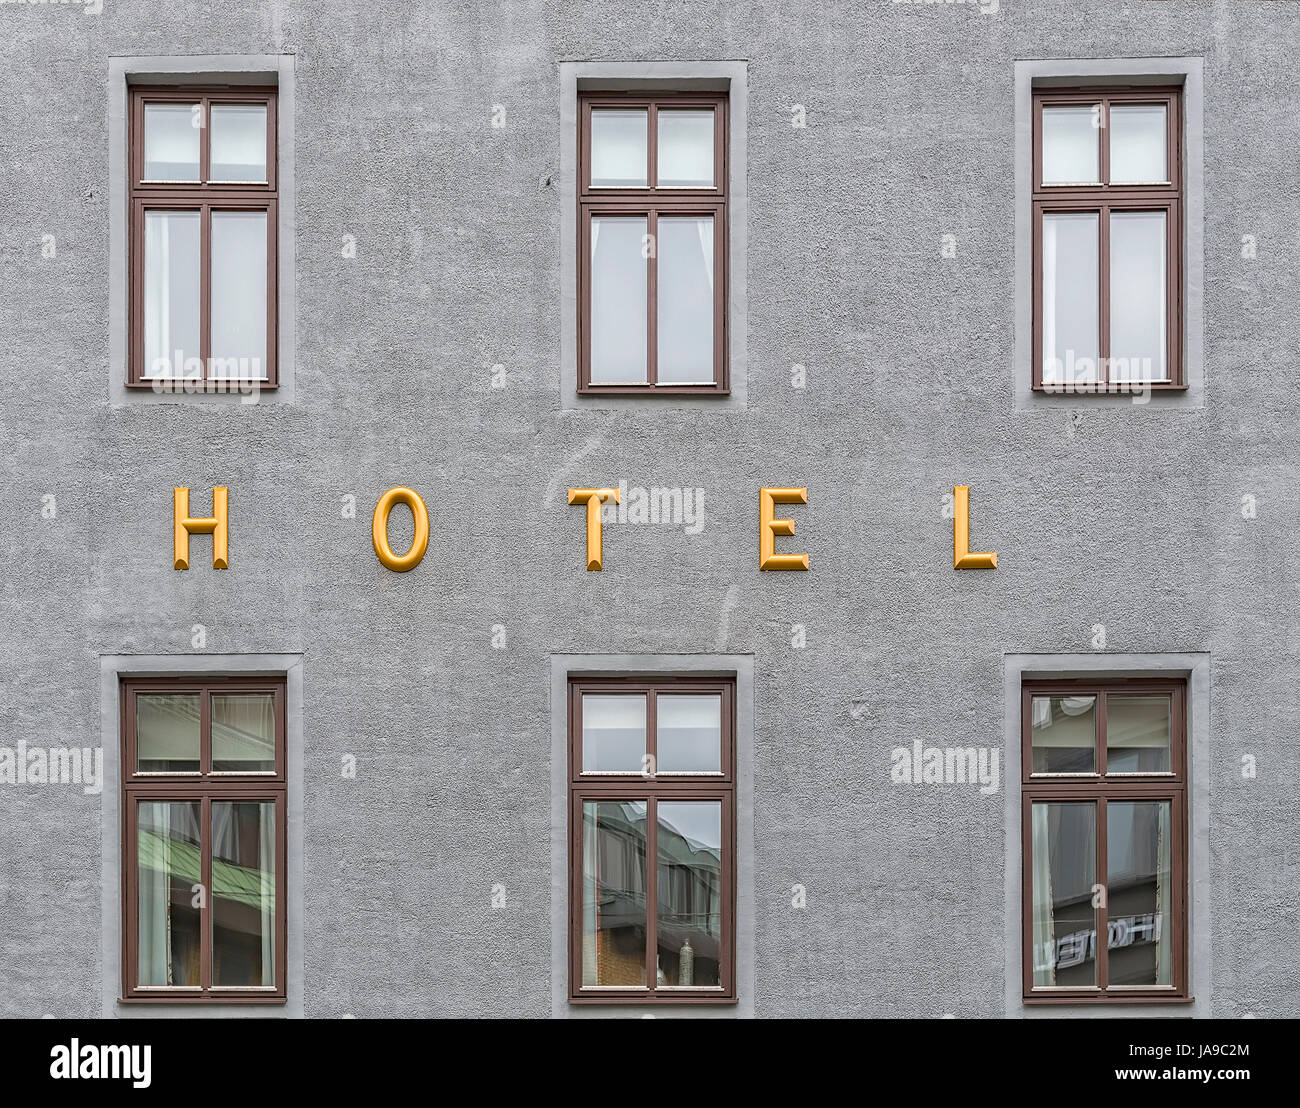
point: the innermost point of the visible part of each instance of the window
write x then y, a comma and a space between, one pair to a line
1104, 840
202, 235
203, 825
1107, 226
651, 840
652, 243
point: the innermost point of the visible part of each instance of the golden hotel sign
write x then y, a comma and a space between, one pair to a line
769, 528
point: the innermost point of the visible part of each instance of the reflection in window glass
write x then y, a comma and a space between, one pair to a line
171, 142
1070, 145
613, 734
618, 147
238, 151
619, 286
1064, 734
689, 733
685, 325
171, 293
1064, 871
614, 848
167, 733
1137, 734
243, 732
685, 151
239, 294
1139, 892
1137, 296
1137, 144
167, 844
243, 893
1070, 297
689, 896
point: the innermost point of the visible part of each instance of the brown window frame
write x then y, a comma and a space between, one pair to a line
1103, 198
652, 201
651, 788
1100, 788
206, 788
205, 197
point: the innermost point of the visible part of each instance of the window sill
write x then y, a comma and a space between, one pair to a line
207, 999
1128, 389
652, 390
646, 999
181, 386
1097, 999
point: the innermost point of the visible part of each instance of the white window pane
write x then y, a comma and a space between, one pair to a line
239, 294
613, 733
1137, 296
685, 152
171, 142
618, 300
1137, 144
685, 329
171, 293
238, 151
1070, 145
689, 733
618, 147
1070, 297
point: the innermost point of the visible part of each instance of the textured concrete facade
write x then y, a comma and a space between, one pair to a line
1120, 515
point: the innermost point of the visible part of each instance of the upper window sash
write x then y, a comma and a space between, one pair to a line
202, 100
648, 776
1102, 777
1104, 103
653, 106
205, 777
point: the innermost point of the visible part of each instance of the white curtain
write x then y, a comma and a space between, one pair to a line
706, 245
266, 862
1044, 948
154, 852
1164, 902
590, 891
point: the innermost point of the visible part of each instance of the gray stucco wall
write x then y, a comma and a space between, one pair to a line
1120, 515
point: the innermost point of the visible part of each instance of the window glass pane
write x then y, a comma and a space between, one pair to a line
689, 895
1064, 870
1064, 734
685, 151
171, 142
239, 294
618, 147
689, 734
167, 733
1137, 734
1070, 145
167, 851
171, 293
1070, 297
1137, 296
685, 290
243, 732
243, 893
614, 925
618, 300
1139, 892
613, 734
1138, 144
238, 151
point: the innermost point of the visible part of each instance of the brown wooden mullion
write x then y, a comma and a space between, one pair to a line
205, 887
651, 893
652, 298
1102, 878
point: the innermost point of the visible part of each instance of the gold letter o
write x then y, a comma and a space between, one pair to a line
379, 529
